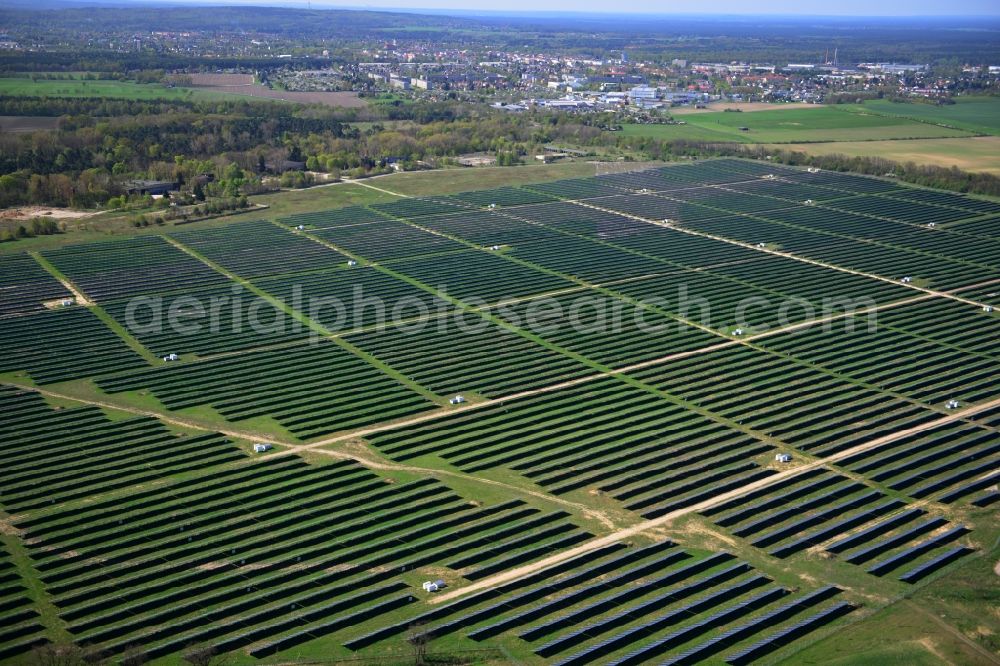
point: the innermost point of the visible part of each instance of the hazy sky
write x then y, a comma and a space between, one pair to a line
786, 7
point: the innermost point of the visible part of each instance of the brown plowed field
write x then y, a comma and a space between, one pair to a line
242, 84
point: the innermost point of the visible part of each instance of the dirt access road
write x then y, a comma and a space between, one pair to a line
615, 537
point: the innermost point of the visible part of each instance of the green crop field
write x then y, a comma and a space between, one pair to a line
21, 87
822, 123
721, 412
689, 131
976, 114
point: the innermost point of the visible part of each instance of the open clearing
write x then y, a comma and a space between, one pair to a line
243, 84
28, 212
625, 479
742, 106
790, 125
977, 114
23, 87
978, 153
21, 124
482, 178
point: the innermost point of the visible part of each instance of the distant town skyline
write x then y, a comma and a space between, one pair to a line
844, 8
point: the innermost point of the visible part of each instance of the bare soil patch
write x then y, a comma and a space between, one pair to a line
216, 80
212, 566
21, 124
56, 304
242, 84
29, 212
7, 528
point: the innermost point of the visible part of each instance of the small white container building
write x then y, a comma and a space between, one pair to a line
170, 357
738, 331
352, 262
953, 404
262, 447
782, 458
457, 400
434, 585
301, 227
907, 279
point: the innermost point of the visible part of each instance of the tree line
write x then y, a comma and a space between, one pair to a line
91, 159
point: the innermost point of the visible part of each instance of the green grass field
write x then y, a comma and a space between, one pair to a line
19, 87
952, 620
689, 131
791, 125
420, 183
976, 114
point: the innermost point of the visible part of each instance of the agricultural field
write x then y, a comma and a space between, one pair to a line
417, 183
742, 106
19, 124
243, 84
22, 87
976, 153
977, 114
790, 125
722, 412
971, 153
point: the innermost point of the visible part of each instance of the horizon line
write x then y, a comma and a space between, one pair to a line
320, 5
